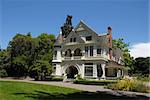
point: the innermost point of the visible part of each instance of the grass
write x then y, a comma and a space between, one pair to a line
10, 90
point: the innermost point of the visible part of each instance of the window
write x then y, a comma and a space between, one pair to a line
88, 69
99, 70
91, 50
86, 51
54, 69
74, 39
99, 51
77, 52
55, 53
68, 53
70, 39
88, 38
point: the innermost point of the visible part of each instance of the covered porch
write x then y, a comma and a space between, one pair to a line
113, 70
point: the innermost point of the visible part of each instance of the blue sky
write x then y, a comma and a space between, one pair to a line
128, 18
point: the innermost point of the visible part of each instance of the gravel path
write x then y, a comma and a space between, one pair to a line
89, 88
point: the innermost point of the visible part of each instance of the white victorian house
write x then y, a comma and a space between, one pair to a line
88, 54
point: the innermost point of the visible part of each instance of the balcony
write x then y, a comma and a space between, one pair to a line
77, 57
72, 58
98, 57
67, 58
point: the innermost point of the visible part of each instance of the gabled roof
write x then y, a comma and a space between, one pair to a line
73, 33
83, 25
59, 40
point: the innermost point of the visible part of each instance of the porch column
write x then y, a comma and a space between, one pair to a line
82, 72
103, 69
118, 73
94, 51
72, 53
58, 69
94, 70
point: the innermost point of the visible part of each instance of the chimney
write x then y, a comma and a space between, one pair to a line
109, 29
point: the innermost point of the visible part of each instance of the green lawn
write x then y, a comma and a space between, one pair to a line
28, 91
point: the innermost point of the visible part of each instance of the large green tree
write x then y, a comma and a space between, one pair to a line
25, 54
4, 62
141, 66
42, 55
20, 50
124, 47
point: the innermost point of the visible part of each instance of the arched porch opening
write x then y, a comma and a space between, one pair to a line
71, 71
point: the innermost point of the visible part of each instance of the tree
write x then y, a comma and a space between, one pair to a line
42, 63
4, 62
119, 43
141, 66
19, 49
25, 52
40, 69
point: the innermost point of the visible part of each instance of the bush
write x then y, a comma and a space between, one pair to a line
129, 85
94, 82
143, 78
3, 73
56, 79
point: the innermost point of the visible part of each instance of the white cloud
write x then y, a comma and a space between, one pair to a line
140, 50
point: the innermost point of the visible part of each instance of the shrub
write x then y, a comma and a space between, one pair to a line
56, 79
78, 77
143, 78
129, 85
94, 82
3, 73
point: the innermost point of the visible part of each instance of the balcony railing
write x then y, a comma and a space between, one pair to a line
85, 57
67, 58
72, 58
77, 57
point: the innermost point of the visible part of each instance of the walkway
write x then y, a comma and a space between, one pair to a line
90, 88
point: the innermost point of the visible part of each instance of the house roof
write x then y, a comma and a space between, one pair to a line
86, 26
83, 26
59, 40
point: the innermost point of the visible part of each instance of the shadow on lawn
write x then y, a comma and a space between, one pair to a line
40, 95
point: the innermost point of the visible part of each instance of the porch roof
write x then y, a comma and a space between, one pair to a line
113, 64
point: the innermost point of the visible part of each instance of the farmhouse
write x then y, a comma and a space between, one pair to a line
82, 51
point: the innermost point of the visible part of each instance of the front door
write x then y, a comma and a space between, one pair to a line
71, 72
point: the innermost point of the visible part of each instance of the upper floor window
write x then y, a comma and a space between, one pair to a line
99, 51
91, 50
72, 39
68, 53
88, 38
86, 51
77, 52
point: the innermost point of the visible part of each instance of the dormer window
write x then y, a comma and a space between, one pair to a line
88, 38
72, 39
